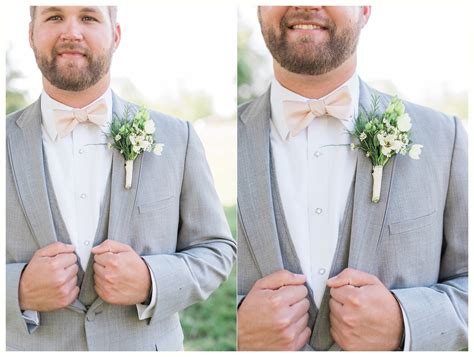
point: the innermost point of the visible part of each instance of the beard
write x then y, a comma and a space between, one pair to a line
304, 56
70, 76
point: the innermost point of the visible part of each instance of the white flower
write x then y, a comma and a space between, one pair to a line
144, 144
132, 139
397, 146
109, 146
363, 136
381, 139
149, 127
367, 154
136, 148
386, 151
158, 149
353, 147
415, 151
117, 137
404, 122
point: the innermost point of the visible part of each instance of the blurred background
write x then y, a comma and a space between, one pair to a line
419, 52
171, 59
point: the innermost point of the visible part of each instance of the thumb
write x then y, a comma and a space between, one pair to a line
352, 277
111, 246
54, 249
280, 278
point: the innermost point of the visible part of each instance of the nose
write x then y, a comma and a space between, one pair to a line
72, 31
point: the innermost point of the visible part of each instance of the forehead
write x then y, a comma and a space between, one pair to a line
71, 10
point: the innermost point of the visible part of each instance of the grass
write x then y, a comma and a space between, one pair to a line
210, 325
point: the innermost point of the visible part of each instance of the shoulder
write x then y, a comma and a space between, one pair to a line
167, 126
429, 126
256, 107
12, 119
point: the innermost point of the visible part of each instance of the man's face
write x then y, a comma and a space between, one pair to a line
73, 45
312, 40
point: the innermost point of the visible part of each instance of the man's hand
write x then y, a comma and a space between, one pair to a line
49, 280
121, 276
364, 314
274, 314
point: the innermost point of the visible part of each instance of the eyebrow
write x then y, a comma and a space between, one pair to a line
58, 9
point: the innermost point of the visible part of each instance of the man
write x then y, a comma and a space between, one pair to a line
322, 267
92, 265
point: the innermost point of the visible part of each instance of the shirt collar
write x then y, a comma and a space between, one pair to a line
278, 94
48, 104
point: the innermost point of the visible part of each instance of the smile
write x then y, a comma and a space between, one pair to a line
306, 27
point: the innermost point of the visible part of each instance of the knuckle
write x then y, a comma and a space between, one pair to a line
114, 263
109, 278
348, 320
282, 323
274, 301
354, 299
287, 337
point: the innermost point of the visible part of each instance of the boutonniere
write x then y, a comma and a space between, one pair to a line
382, 136
131, 137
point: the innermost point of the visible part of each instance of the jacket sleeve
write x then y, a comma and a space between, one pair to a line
15, 319
438, 314
205, 249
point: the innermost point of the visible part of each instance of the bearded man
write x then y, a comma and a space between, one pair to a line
92, 264
320, 265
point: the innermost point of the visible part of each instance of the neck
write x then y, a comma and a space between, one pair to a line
78, 99
315, 86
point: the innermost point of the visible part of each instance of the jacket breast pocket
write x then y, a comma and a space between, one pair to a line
412, 224
155, 206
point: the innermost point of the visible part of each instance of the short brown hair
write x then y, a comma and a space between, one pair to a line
112, 14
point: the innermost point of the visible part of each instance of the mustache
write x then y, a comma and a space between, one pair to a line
71, 47
293, 18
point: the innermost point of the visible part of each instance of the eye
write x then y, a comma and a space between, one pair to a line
89, 19
54, 18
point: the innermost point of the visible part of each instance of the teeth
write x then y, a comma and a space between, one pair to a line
306, 27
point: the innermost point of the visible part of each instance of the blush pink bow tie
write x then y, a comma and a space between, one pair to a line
66, 120
299, 114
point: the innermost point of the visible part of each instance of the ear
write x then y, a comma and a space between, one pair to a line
366, 11
30, 34
117, 35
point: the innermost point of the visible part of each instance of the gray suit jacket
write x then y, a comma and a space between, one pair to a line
414, 240
171, 216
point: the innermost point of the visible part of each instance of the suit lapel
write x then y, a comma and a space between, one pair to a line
254, 185
122, 201
368, 217
25, 148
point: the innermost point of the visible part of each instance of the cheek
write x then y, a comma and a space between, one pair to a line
44, 40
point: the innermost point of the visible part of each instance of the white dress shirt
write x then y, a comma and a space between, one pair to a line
314, 177
314, 171
79, 168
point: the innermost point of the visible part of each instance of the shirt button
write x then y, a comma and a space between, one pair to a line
81, 151
322, 271
318, 210
87, 242
317, 153
83, 195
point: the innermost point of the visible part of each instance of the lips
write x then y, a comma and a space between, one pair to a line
306, 27
71, 54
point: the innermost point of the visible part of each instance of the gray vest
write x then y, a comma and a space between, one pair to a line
318, 320
85, 280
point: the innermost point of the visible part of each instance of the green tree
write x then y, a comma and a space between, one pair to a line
15, 98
